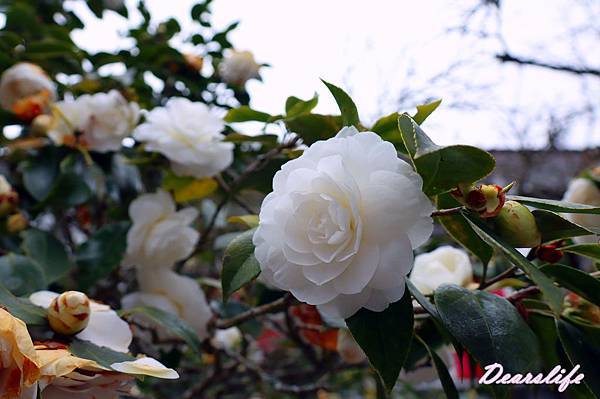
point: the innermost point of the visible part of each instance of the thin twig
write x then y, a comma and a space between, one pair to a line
273, 307
505, 274
446, 212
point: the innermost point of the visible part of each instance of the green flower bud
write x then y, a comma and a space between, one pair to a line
517, 226
69, 313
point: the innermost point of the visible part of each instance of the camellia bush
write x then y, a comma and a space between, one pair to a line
150, 247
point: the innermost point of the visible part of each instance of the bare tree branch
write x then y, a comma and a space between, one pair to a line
507, 57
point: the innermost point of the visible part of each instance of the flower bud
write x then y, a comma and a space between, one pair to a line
8, 197
517, 226
548, 253
16, 223
41, 124
485, 199
69, 312
194, 62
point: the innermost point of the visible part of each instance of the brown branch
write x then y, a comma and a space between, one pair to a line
506, 57
446, 212
273, 307
524, 293
505, 274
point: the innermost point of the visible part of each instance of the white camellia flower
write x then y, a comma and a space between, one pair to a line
228, 339
24, 80
340, 226
583, 191
160, 235
238, 67
189, 134
180, 295
444, 265
102, 120
105, 327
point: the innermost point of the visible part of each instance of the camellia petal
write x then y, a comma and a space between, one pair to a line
107, 329
146, 366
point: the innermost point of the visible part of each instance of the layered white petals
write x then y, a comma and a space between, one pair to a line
238, 67
146, 366
23, 80
583, 191
189, 135
105, 327
339, 228
444, 265
173, 293
102, 120
160, 235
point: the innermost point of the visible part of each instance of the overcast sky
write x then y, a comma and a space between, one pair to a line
379, 49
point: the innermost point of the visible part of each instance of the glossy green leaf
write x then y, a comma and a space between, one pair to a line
556, 206
171, 323
442, 371
266, 139
70, 189
39, 173
100, 354
101, 253
443, 168
21, 309
423, 111
314, 127
385, 337
346, 105
245, 114
583, 350
387, 128
461, 231
555, 227
239, 264
48, 252
575, 280
21, 275
588, 250
295, 106
551, 293
489, 327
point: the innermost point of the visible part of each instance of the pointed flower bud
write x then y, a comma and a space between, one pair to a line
69, 312
486, 199
16, 223
517, 226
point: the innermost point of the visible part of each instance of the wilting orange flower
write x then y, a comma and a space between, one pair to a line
19, 368
314, 332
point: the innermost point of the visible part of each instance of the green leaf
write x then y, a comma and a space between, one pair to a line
575, 280
489, 327
552, 293
239, 264
556, 206
249, 221
265, 139
69, 190
461, 231
385, 337
22, 309
170, 323
589, 250
101, 254
443, 168
21, 275
555, 227
582, 350
48, 252
387, 128
186, 188
39, 173
346, 105
295, 106
423, 111
442, 371
314, 127
245, 114
100, 354
422, 299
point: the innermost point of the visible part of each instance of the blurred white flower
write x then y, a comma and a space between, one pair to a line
238, 67
105, 327
583, 191
228, 339
24, 80
160, 235
180, 295
348, 349
99, 121
189, 134
444, 265
340, 226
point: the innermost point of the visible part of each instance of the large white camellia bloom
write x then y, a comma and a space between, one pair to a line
102, 120
444, 265
238, 67
24, 80
340, 226
583, 191
180, 295
105, 327
189, 134
160, 235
